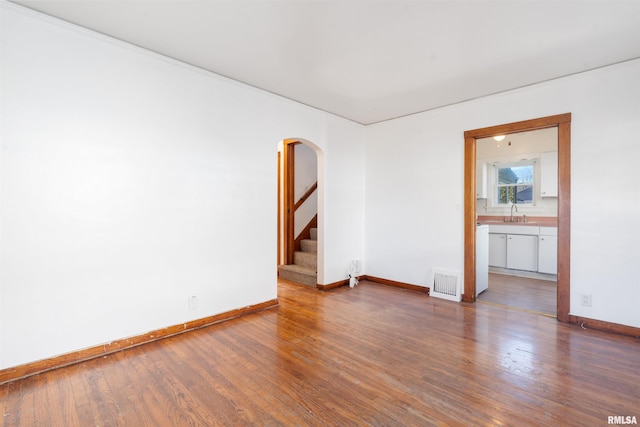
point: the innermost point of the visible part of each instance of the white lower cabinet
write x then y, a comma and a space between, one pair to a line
519, 252
482, 258
498, 250
548, 250
522, 252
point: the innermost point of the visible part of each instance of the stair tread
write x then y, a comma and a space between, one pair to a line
306, 254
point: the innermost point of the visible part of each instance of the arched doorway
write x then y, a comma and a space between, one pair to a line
300, 211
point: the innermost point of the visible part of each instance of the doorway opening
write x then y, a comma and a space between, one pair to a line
299, 212
563, 125
516, 192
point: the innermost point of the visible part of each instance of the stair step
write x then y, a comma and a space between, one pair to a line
306, 259
314, 234
309, 245
298, 274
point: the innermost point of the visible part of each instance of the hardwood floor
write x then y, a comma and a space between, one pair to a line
372, 355
531, 294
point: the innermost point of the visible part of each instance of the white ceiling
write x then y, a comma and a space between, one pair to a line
371, 61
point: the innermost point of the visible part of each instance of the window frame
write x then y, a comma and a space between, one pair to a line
496, 186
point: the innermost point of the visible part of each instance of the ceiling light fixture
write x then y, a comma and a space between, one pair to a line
498, 138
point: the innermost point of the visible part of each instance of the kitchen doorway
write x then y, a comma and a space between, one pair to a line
563, 124
516, 200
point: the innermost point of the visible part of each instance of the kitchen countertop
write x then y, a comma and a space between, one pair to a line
544, 221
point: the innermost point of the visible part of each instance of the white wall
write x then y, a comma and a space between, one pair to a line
130, 182
414, 186
342, 218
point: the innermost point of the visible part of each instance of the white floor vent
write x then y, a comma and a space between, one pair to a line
446, 285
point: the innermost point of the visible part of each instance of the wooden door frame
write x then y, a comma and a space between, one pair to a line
563, 123
279, 209
288, 190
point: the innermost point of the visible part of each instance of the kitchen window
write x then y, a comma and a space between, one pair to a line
515, 183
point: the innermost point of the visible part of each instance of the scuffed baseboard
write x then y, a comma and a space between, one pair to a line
32, 368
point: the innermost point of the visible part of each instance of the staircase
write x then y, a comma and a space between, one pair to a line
305, 263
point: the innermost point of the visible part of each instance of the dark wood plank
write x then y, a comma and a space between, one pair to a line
371, 355
521, 292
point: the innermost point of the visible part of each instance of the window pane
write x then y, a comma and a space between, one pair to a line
515, 184
502, 195
517, 194
524, 193
516, 175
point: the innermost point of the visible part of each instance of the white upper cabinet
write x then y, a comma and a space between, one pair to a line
549, 174
481, 181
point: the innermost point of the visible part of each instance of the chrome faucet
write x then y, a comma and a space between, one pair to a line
513, 206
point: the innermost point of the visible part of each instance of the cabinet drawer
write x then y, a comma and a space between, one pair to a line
548, 231
531, 230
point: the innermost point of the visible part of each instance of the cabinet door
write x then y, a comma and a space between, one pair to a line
482, 259
498, 250
549, 174
548, 254
481, 181
522, 252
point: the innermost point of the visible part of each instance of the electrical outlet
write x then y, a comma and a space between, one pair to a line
585, 300
356, 265
193, 303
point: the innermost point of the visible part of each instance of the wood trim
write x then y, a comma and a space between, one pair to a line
279, 209
421, 289
306, 232
564, 220
305, 196
563, 123
469, 289
289, 186
332, 285
601, 325
28, 369
339, 283
522, 126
